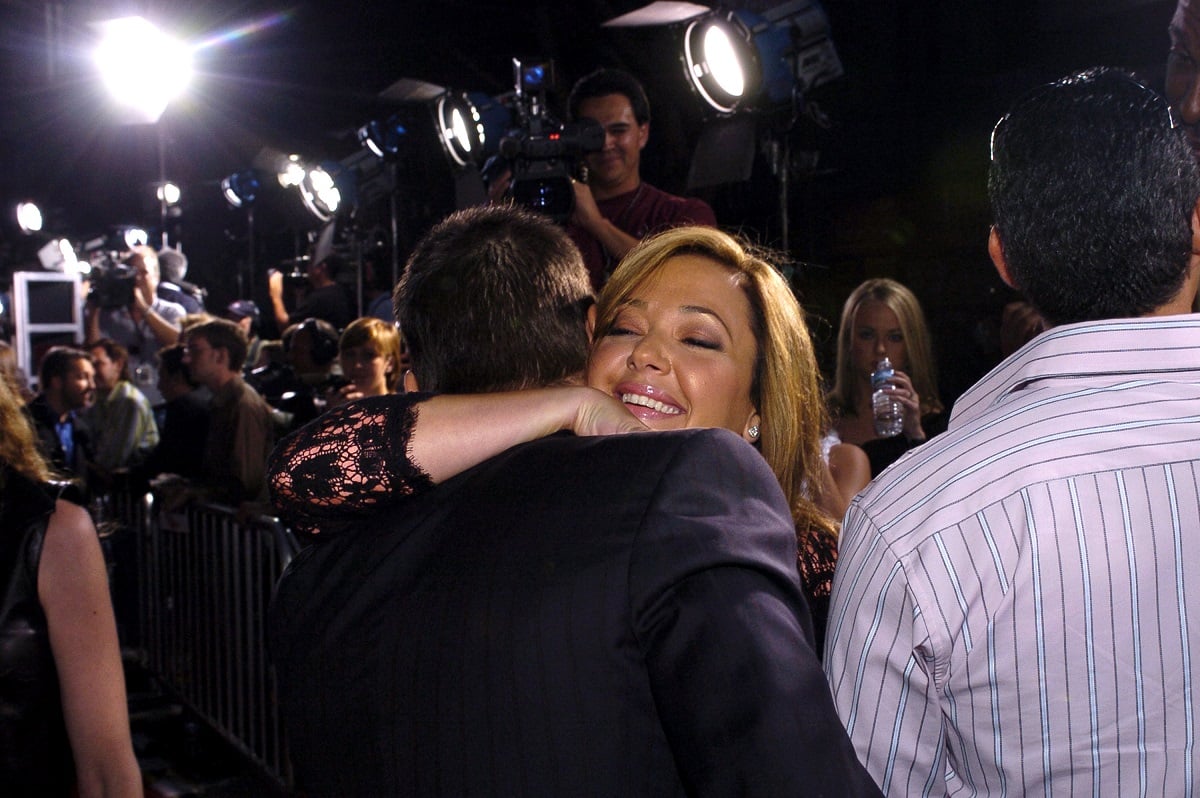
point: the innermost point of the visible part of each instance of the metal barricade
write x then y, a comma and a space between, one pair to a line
205, 579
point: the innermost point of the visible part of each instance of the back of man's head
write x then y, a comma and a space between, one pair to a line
172, 264
494, 298
1093, 191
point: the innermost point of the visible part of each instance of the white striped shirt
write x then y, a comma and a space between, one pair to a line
1016, 601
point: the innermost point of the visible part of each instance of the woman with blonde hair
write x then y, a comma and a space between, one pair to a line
785, 380
882, 318
64, 718
693, 329
369, 354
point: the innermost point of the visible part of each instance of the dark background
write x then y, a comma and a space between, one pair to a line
893, 185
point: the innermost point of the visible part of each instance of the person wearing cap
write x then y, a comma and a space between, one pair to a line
245, 314
173, 264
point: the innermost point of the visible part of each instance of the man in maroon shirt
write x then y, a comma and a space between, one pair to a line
615, 208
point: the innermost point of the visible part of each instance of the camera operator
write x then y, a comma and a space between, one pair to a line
323, 297
143, 325
615, 209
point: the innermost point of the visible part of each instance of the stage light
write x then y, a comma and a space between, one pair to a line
134, 237
29, 217
143, 68
290, 172
795, 49
460, 128
383, 139
326, 189
241, 189
169, 193
59, 256
721, 60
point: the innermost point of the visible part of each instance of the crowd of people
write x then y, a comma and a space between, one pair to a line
597, 522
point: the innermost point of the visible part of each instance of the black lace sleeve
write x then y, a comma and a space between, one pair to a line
348, 462
816, 557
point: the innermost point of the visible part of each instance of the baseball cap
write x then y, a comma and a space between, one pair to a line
241, 309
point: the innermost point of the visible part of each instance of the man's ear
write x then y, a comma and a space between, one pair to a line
643, 135
996, 251
591, 323
410, 382
1192, 279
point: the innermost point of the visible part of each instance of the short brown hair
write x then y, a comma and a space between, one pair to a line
494, 298
223, 334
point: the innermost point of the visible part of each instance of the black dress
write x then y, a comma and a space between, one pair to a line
35, 753
882, 452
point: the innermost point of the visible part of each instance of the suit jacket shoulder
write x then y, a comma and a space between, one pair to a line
573, 616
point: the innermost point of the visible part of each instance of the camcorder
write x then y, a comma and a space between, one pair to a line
542, 152
113, 282
295, 272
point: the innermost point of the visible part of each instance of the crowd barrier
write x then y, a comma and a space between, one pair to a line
204, 576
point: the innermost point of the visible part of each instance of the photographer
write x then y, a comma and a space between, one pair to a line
135, 317
323, 297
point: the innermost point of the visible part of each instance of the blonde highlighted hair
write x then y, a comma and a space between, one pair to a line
786, 386
920, 367
18, 442
378, 335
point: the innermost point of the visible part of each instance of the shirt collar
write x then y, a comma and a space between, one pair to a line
1163, 347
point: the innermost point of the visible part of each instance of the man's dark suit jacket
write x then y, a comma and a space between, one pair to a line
577, 616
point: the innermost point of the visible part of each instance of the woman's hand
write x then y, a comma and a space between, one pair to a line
599, 413
340, 396
904, 393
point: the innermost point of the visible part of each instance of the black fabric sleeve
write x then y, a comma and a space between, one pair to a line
722, 622
352, 460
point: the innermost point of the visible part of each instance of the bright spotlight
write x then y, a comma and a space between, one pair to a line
169, 193
322, 189
29, 217
143, 68
722, 62
291, 172
135, 237
460, 128
59, 256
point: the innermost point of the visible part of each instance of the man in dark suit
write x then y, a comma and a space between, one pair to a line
575, 616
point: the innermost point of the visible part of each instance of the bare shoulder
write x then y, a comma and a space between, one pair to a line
70, 522
71, 546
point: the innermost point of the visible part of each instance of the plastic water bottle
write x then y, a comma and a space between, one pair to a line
889, 413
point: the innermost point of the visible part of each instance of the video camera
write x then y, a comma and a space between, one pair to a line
543, 152
295, 272
113, 281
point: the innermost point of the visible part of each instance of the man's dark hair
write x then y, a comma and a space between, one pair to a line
334, 265
1092, 192
170, 362
604, 82
494, 298
57, 362
223, 334
115, 352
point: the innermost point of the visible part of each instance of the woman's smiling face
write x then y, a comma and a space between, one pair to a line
681, 350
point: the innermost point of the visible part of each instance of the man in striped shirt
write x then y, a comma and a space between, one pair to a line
1016, 601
